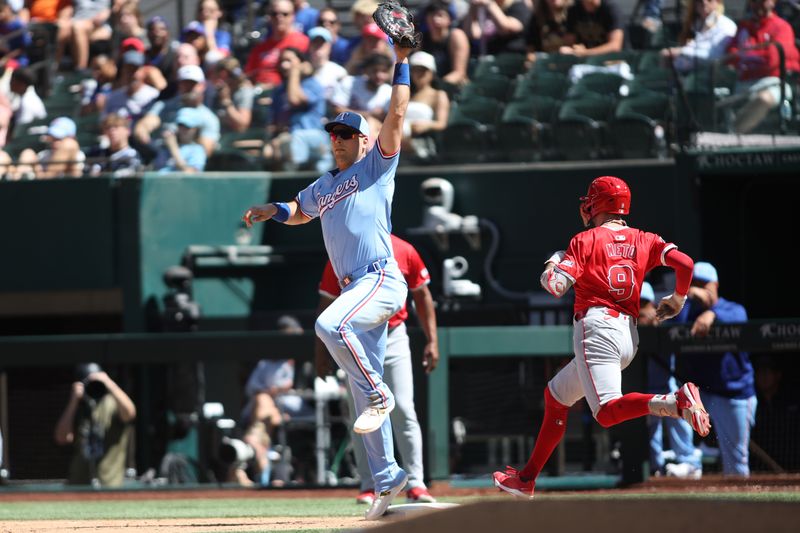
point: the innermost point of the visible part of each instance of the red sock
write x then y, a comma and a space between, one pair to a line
631, 405
552, 431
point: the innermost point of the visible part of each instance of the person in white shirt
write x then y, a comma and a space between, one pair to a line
367, 94
705, 36
327, 73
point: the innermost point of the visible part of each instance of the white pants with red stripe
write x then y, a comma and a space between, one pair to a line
354, 328
604, 345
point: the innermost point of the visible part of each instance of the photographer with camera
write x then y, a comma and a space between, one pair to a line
97, 422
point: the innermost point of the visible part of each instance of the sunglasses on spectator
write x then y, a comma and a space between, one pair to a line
280, 14
345, 135
326, 22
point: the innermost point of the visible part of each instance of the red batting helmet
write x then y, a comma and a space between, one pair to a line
607, 194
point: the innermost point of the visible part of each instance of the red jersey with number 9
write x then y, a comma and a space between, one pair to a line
607, 267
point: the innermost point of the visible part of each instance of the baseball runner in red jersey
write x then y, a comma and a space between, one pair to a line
606, 265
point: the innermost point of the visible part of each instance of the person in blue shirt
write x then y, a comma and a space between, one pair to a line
181, 151
14, 36
298, 111
726, 379
354, 205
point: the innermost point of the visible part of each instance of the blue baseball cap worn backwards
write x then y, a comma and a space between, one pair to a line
351, 120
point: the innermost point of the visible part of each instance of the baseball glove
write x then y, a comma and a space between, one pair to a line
397, 22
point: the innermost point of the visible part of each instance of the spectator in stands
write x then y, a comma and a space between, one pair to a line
26, 105
497, 26
305, 16
97, 423
327, 73
428, 108
191, 90
194, 33
5, 118
63, 158
88, 23
218, 39
367, 94
705, 36
152, 75
126, 21
95, 90
340, 46
360, 15
132, 98
48, 10
161, 53
547, 29
181, 151
373, 41
14, 36
758, 63
727, 380
647, 306
269, 404
231, 95
595, 27
778, 412
262, 63
119, 159
185, 54
297, 136
448, 45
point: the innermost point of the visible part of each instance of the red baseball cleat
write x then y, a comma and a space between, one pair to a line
510, 482
419, 495
691, 409
366, 497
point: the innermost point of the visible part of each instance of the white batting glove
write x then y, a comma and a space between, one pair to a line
669, 306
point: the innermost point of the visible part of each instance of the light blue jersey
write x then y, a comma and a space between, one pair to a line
355, 210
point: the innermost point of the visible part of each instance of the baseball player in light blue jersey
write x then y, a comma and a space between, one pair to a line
354, 205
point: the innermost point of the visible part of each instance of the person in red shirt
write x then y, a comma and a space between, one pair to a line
606, 264
396, 370
759, 67
262, 63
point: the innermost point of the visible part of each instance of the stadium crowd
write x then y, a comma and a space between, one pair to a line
118, 95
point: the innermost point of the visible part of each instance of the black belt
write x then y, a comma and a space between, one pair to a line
375, 266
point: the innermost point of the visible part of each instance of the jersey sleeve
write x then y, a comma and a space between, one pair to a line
379, 166
417, 275
306, 201
572, 265
658, 251
329, 285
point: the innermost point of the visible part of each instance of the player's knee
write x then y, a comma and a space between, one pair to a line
325, 328
551, 404
606, 416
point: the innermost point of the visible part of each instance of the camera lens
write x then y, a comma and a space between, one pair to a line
94, 389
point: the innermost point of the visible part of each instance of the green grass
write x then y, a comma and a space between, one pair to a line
309, 507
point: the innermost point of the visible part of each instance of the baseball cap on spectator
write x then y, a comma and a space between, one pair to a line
191, 117
61, 128
155, 19
422, 59
132, 43
705, 272
648, 295
351, 120
133, 57
372, 30
320, 33
194, 26
289, 324
191, 73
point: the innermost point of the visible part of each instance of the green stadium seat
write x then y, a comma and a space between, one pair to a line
477, 108
640, 125
490, 85
524, 130
629, 56
602, 83
552, 84
505, 64
580, 131
554, 63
